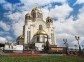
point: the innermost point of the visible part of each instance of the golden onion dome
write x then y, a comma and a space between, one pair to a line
28, 16
36, 9
21, 37
40, 32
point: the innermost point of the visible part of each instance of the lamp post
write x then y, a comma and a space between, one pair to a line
78, 38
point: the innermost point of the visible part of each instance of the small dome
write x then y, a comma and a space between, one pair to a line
28, 16
40, 32
49, 19
21, 37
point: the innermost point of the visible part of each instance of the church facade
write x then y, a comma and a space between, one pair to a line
36, 31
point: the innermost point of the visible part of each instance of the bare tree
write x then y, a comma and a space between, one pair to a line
66, 45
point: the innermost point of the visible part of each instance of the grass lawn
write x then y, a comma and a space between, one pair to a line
39, 59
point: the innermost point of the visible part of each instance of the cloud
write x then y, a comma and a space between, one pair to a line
65, 30
18, 28
80, 22
66, 27
18, 20
3, 40
29, 4
79, 1
6, 5
59, 13
40, 2
2, 1
45, 13
4, 26
9, 38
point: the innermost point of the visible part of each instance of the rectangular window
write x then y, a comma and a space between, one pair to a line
28, 36
37, 38
44, 38
52, 37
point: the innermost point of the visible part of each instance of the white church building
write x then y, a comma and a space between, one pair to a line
36, 31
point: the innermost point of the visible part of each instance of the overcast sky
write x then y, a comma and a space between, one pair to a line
68, 18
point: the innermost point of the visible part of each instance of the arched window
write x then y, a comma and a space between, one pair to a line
34, 15
40, 27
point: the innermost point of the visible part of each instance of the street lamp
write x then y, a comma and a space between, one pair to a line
78, 38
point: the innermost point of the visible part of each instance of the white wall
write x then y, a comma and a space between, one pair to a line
14, 47
39, 46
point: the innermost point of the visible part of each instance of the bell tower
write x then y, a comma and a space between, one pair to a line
27, 28
28, 18
50, 27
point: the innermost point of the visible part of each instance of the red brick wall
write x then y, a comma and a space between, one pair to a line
57, 49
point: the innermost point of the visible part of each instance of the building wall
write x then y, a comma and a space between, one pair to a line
13, 47
57, 49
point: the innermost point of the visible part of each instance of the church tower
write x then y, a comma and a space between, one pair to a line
50, 27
